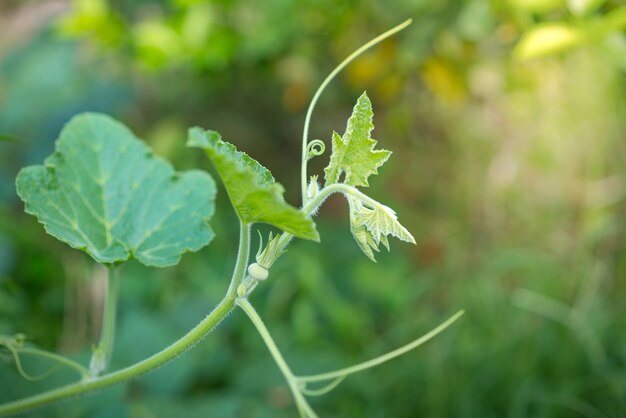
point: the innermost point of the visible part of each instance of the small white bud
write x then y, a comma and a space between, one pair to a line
257, 271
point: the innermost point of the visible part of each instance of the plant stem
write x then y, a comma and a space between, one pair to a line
314, 204
243, 255
103, 352
304, 408
183, 344
318, 93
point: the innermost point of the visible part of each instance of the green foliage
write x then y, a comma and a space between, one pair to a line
511, 175
192, 34
253, 192
104, 192
353, 153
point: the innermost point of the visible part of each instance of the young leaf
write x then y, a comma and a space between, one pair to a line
354, 153
371, 226
265, 257
254, 193
104, 192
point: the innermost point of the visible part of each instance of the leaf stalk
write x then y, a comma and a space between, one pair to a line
103, 352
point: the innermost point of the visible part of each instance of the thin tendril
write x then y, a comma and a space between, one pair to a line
318, 93
315, 149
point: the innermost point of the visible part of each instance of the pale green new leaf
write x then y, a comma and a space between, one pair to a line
254, 193
364, 240
103, 191
274, 249
354, 154
372, 224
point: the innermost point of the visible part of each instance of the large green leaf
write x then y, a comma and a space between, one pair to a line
354, 154
254, 193
104, 191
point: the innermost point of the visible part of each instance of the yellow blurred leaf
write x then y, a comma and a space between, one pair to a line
365, 69
371, 66
389, 87
547, 39
443, 80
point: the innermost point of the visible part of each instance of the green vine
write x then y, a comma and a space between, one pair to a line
103, 191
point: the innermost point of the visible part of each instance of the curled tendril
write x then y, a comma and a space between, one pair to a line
315, 148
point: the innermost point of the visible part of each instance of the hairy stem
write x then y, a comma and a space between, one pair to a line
303, 406
320, 90
183, 344
103, 352
243, 254
313, 205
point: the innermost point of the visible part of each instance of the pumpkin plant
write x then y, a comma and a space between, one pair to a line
104, 192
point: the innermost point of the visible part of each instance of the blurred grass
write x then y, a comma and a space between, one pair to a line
509, 173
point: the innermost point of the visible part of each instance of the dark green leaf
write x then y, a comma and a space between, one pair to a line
254, 193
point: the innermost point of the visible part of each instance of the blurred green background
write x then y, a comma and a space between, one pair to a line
507, 119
